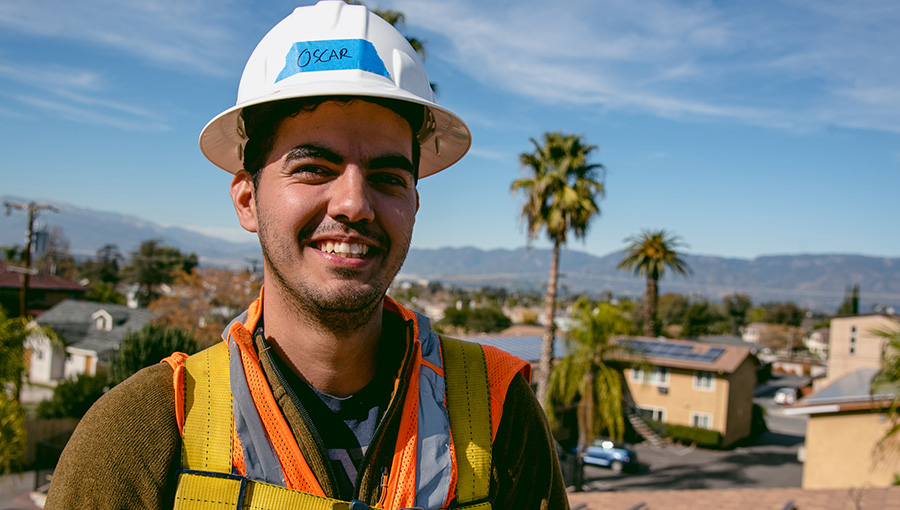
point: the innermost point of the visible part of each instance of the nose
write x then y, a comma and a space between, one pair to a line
350, 200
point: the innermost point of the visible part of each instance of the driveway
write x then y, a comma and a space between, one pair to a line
770, 461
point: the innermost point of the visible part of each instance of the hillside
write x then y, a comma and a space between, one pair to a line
813, 281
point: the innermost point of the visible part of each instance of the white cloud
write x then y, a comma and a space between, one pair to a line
794, 63
84, 115
190, 36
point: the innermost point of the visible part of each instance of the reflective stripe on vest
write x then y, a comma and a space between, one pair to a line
436, 479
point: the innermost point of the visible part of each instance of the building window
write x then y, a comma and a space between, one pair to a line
637, 374
653, 413
853, 344
659, 376
704, 380
701, 420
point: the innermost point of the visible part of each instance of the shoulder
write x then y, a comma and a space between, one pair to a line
526, 472
122, 451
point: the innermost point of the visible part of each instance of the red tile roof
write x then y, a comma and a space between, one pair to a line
13, 280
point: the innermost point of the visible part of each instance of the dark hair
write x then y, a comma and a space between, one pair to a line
261, 122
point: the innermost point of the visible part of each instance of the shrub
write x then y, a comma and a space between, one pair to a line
72, 398
149, 346
12, 434
703, 438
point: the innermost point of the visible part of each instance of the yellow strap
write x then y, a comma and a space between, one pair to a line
205, 492
469, 405
208, 417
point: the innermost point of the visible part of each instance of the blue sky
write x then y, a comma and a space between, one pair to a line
747, 128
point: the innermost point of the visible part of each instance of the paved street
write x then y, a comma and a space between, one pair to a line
771, 461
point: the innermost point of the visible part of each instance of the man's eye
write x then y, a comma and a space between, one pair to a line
389, 179
309, 171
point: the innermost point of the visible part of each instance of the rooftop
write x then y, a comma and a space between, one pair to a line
849, 393
11, 278
740, 499
688, 354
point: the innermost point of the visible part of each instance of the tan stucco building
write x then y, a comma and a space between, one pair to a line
694, 384
846, 424
854, 345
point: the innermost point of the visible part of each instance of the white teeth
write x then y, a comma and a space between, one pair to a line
346, 250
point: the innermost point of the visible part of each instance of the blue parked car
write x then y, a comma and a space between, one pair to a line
605, 453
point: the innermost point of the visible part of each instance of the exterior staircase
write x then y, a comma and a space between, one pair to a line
640, 426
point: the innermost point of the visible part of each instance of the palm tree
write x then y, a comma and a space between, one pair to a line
397, 19
650, 254
887, 380
560, 196
587, 371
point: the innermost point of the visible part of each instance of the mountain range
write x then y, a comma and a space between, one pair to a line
818, 282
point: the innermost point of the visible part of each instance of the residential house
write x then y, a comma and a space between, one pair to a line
817, 342
846, 423
690, 383
44, 290
91, 331
854, 344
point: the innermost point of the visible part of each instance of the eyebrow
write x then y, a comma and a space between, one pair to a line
312, 151
397, 161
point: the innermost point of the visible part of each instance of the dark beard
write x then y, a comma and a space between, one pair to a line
337, 313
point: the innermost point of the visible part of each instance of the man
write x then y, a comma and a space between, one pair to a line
325, 393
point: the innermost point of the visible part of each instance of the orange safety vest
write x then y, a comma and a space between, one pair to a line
455, 466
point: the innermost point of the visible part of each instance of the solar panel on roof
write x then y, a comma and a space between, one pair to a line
675, 351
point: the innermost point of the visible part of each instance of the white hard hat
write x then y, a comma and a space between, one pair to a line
336, 49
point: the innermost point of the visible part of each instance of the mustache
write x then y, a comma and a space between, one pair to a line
329, 226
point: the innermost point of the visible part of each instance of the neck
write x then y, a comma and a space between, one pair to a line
338, 361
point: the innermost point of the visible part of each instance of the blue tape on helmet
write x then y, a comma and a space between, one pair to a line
332, 55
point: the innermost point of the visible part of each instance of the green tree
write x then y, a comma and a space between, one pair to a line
73, 397
12, 434
14, 254
588, 374
13, 334
104, 267
737, 307
561, 195
699, 319
650, 254
481, 319
787, 313
672, 307
850, 305
397, 19
148, 346
102, 292
154, 265
887, 380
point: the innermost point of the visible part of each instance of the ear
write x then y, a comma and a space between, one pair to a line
417, 200
242, 194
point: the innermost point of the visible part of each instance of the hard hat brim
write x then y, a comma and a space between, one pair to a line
222, 140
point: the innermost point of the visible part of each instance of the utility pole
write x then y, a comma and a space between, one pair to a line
33, 211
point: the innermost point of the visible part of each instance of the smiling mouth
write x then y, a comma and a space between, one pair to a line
346, 250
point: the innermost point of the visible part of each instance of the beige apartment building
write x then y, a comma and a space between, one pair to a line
854, 345
844, 432
694, 384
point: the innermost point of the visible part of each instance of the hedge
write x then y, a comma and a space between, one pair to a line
701, 437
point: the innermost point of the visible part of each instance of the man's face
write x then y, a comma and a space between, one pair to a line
334, 207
